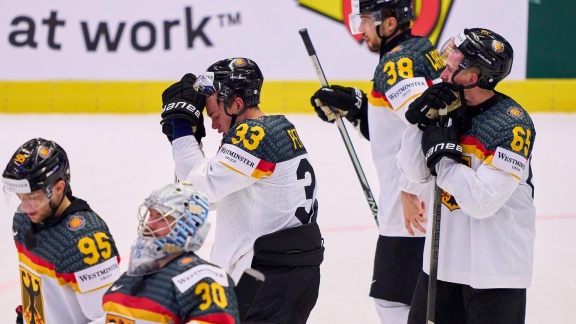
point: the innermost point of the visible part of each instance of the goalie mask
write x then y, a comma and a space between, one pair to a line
480, 48
32, 172
171, 220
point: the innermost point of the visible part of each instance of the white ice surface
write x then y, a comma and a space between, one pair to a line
117, 160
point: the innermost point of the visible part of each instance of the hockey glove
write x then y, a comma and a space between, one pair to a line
180, 100
424, 109
19, 319
439, 142
349, 102
199, 130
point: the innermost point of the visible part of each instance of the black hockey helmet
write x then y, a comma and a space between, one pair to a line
37, 164
488, 51
240, 75
402, 9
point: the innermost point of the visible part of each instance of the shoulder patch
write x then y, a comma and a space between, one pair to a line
76, 222
240, 161
189, 278
186, 261
98, 276
510, 162
405, 91
395, 49
515, 112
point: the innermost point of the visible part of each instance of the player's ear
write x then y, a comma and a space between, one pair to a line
59, 186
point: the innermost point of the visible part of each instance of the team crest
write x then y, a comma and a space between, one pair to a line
497, 46
449, 201
44, 152
515, 112
185, 261
396, 49
239, 62
32, 297
75, 223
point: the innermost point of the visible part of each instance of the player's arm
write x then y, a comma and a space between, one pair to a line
230, 170
482, 192
100, 268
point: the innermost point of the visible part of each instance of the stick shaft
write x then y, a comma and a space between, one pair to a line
343, 132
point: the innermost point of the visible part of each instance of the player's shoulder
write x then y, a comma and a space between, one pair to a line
507, 125
272, 138
189, 270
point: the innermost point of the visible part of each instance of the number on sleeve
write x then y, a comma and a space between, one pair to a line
251, 139
403, 68
211, 293
521, 140
94, 248
303, 168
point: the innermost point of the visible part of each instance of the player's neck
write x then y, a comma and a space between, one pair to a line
251, 113
478, 96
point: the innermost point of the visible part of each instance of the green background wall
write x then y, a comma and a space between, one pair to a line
551, 39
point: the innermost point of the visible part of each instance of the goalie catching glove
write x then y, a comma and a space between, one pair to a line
348, 102
181, 102
424, 110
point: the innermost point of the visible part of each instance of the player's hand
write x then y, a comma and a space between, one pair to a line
439, 142
414, 211
348, 103
180, 100
19, 319
424, 110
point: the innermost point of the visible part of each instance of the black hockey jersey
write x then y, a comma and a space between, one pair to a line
65, 265
187, 289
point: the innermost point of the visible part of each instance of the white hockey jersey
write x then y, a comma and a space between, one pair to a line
261, 179
404, 72
488, 217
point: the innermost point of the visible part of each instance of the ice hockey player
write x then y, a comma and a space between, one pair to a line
166, 281
408, 64
67, 255
262, 180
481, 159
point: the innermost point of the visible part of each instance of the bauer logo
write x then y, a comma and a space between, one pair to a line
430, 20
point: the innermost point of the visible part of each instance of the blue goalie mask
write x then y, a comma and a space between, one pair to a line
171, 220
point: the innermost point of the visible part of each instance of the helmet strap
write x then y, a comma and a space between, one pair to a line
54, 207
233, 116
470, 86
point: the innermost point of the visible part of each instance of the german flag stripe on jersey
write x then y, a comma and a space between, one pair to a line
43, 267
471, 146
212, 318
376, 99
263, 169
140, 308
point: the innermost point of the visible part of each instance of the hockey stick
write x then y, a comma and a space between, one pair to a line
345, 137
435, 244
